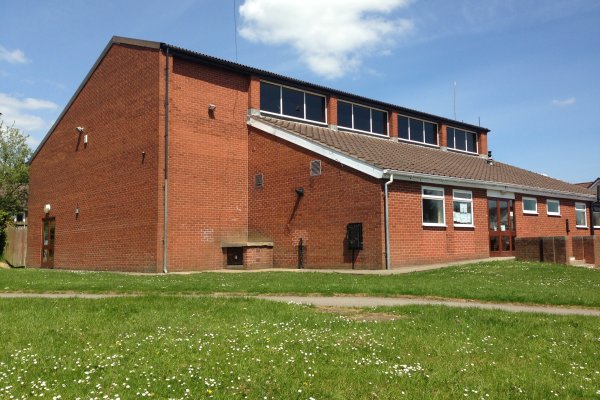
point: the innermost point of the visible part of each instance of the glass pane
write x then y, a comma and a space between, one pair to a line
50, 254
471, 142
402, 127
596, 217
45, 255
46, 233
51, 233
450, 133
503, 215
494, 246
430, 133
433, 212
433, 192
416, 130
460, 139
513, 243
493, 215
552, 207
293, 102
344, 114
462, 213
379, 122
505, 243
462, 195
580, 218
530, 205
362, 118
315, 107
269, 97
511, 206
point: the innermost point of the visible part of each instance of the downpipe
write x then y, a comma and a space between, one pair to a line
387, 222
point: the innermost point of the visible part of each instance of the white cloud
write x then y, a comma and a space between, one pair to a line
331, 37
563, 103
13, 57
18, 111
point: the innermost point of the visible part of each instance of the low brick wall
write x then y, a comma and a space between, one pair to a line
548, 249
258, 257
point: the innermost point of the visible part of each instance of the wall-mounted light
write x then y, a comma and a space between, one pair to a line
85, 139
79, 129
77, 211
47, 209
212, 107
300, 192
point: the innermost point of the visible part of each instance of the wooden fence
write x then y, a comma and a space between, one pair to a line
15, 251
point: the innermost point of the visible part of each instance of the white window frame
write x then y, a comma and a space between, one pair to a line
580, 205
463, 200
528, 211
454, 141
387, 126
548, 201
304, 92
434, 197
437, 132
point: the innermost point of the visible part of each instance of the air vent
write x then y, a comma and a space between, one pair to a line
315, 168
259, 180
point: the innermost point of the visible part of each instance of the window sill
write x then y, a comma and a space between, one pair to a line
581, 226
435, 225
463, 226
291, 118
554, 215
530, 213
435, 146
381, 135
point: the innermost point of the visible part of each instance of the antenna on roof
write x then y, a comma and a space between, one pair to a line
454, 100
235, 31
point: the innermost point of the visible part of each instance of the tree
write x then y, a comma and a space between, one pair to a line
14, 172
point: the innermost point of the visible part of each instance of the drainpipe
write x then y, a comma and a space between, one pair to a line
387, 222
166, 186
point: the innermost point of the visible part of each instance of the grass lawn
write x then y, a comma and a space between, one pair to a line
173, 347
506, 281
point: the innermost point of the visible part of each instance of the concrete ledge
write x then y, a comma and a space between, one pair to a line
247, 244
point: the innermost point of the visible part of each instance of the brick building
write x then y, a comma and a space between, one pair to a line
169, 160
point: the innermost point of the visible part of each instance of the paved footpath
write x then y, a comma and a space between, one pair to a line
343, 301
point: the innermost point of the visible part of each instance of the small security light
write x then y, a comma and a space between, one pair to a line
79, 129
77, 210
47, 209
212, 107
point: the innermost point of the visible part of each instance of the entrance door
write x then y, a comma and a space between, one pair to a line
48, 242
502, 227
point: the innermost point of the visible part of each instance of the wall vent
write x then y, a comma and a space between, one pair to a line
315, 168
259, 180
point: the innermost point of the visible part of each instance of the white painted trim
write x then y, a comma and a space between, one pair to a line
441, 197
530, 212
317, 148
501, 194
370, 119
584, 214
459, 199
554, 214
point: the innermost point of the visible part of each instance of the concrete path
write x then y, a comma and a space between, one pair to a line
355, 301
341, 301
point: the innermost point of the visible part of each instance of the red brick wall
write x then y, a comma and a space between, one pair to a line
114, 188
338, 197
412, 243
208, 164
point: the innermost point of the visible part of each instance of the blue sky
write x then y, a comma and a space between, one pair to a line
529, 70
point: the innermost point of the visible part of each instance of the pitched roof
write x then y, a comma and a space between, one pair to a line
391, 154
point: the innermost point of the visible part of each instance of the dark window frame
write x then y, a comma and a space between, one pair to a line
467, 132
371, 109
304, 93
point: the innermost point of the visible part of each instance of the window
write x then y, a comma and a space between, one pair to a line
462, 140
315, 168
553, 207
433, 206
354, 116
290, 102
417, 130
580, 215
596, 219
529, 205
463, 208
259, 180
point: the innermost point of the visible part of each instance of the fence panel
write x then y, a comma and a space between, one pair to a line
15, 251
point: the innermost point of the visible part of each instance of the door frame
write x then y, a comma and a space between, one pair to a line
510, 232
49, 247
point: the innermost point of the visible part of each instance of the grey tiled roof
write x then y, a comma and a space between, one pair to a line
389, 153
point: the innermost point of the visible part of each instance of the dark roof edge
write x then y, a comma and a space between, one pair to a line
113, 40
214, 61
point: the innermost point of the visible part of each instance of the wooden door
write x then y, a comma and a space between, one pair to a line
501, 215
48, 231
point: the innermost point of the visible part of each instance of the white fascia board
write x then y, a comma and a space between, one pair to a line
472, 183
317, 148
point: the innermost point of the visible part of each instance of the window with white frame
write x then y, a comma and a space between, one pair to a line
580, 215
462, 140
596, 219
553, 207
462, 203
529, 205
417, 130
361, 118
433, 206
283, 100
